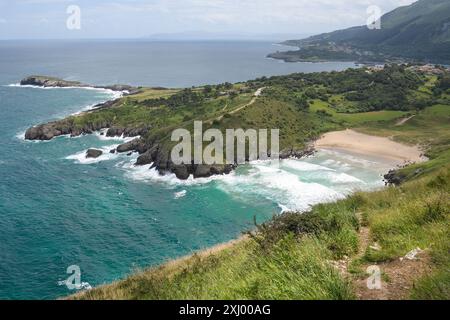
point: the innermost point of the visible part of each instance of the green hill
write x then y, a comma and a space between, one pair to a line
420, 31
322, 254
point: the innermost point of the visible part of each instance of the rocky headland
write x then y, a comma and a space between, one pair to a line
51, 82
151, 150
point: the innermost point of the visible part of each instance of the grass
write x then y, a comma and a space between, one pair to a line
353, 119
290, 256
151, 93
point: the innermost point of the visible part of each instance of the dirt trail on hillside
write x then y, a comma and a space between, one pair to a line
403, 121
398, 276
255, 97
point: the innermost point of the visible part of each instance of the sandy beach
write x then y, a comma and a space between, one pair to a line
355, 142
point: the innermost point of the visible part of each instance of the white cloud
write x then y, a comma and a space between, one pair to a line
136, 18
241, 12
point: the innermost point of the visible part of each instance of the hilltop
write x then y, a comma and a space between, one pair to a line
419, 32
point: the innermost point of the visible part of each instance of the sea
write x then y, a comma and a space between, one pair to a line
108, 217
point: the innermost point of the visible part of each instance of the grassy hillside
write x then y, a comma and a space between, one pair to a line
323, 254
420, 31
297, 256
301, 106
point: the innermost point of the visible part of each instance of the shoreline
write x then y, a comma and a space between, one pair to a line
348, 141
374, 146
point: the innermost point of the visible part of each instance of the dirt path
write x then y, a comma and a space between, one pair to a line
398, 276
403, 121
255, 97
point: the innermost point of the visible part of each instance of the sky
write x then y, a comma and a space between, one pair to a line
48, 19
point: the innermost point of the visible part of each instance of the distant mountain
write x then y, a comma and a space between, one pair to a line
420, 31
204, 35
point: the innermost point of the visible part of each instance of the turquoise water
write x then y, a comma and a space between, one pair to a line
109, 217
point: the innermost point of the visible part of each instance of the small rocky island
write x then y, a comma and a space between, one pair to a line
93, 153
52, 82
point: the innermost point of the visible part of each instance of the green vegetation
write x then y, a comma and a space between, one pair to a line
290, 257
419, 32
429, 128
302, 106
294, 255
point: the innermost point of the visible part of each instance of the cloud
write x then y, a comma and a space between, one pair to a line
243, 12
136, 18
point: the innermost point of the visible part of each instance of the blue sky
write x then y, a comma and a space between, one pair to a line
46, 19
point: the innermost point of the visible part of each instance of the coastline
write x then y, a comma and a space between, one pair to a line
368, 145
349, 141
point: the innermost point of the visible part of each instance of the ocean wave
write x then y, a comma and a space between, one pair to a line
21, 135
294, 185
343, 178
181, 194
259, 180
148, 174
304, 166
114, 94
101, 135
279, 186
80, 157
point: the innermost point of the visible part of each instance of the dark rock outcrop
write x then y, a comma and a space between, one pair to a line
129, 146
93, 153
182, 172
298, 154
42, 81
126, 132
394, 177
54, 129
52, 82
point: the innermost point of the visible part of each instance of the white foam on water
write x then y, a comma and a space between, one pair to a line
115, 94
101, 135
279, 186
181, 194
294, 185
81, 286
148, 174
304, 166
343, 178
80, 157
21, 135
